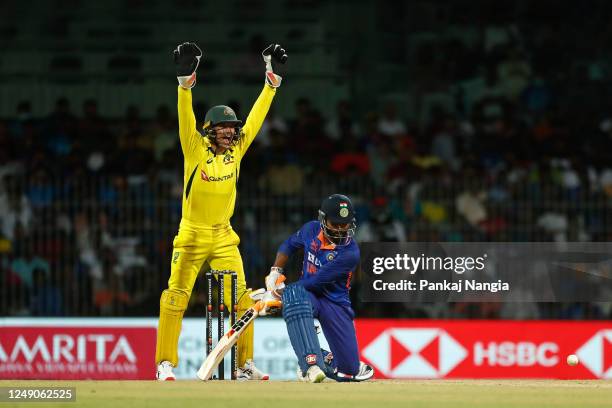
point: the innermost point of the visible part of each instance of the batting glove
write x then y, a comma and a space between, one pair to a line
278, 53
271, 304
257, 295
187, 58
275, 280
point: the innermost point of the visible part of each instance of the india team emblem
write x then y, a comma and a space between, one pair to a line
344, 209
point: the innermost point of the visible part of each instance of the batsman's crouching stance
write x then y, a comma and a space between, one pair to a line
330, 258
211, 170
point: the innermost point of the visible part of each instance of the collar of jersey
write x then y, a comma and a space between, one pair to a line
209, 148
325, 244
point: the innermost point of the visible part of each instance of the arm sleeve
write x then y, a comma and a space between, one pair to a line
256, 117
293, 243
188, 133
335, 270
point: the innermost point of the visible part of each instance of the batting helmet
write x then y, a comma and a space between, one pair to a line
337, 209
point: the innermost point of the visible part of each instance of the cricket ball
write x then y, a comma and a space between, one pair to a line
572, 360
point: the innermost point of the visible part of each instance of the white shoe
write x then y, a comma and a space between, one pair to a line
164, 372
365, 372
249, 372
300, 375
314, 375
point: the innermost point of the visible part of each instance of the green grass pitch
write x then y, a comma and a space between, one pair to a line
377, 394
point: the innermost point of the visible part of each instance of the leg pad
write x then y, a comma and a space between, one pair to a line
297, 312
172, 306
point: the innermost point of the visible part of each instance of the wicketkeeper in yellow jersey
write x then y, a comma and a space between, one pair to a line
205, 236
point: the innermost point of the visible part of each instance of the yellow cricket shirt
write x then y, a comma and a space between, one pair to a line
209, 180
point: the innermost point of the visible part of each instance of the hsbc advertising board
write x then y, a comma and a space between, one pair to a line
486, 349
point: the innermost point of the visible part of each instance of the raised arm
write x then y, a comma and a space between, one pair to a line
256, 117
187, 58
186, 120
262, 104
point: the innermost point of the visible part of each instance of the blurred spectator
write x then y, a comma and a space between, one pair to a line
8, 165
23, 115
110, 297
342, 126
470, 204
444, 142
351, 159
272, 122
41, 191
93, 132
554, 223
247, 67
15, 209
381, 158
514, 73
381, 226
164, 133
61, 121
389, 124
282, 180
46, 298
86, 244
300, 125
26, 262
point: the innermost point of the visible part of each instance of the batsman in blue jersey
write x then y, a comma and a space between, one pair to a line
331, 256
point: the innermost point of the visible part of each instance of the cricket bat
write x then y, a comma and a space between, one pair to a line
230, 338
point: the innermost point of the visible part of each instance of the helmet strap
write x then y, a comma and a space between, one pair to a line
336, 240
211, 134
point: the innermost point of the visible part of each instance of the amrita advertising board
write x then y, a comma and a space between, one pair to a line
73, 349
123, 348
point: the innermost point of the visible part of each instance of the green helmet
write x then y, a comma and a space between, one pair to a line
220, 114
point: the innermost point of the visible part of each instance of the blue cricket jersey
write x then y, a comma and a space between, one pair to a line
327, 268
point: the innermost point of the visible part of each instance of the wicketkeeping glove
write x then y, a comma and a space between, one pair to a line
278, 53
187, 58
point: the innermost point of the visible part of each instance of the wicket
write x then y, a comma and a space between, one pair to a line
221, 316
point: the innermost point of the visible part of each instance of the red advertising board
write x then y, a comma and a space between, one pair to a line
485, 349
76, 353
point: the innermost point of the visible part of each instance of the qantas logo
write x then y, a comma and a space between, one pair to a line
414, 353
206, 177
